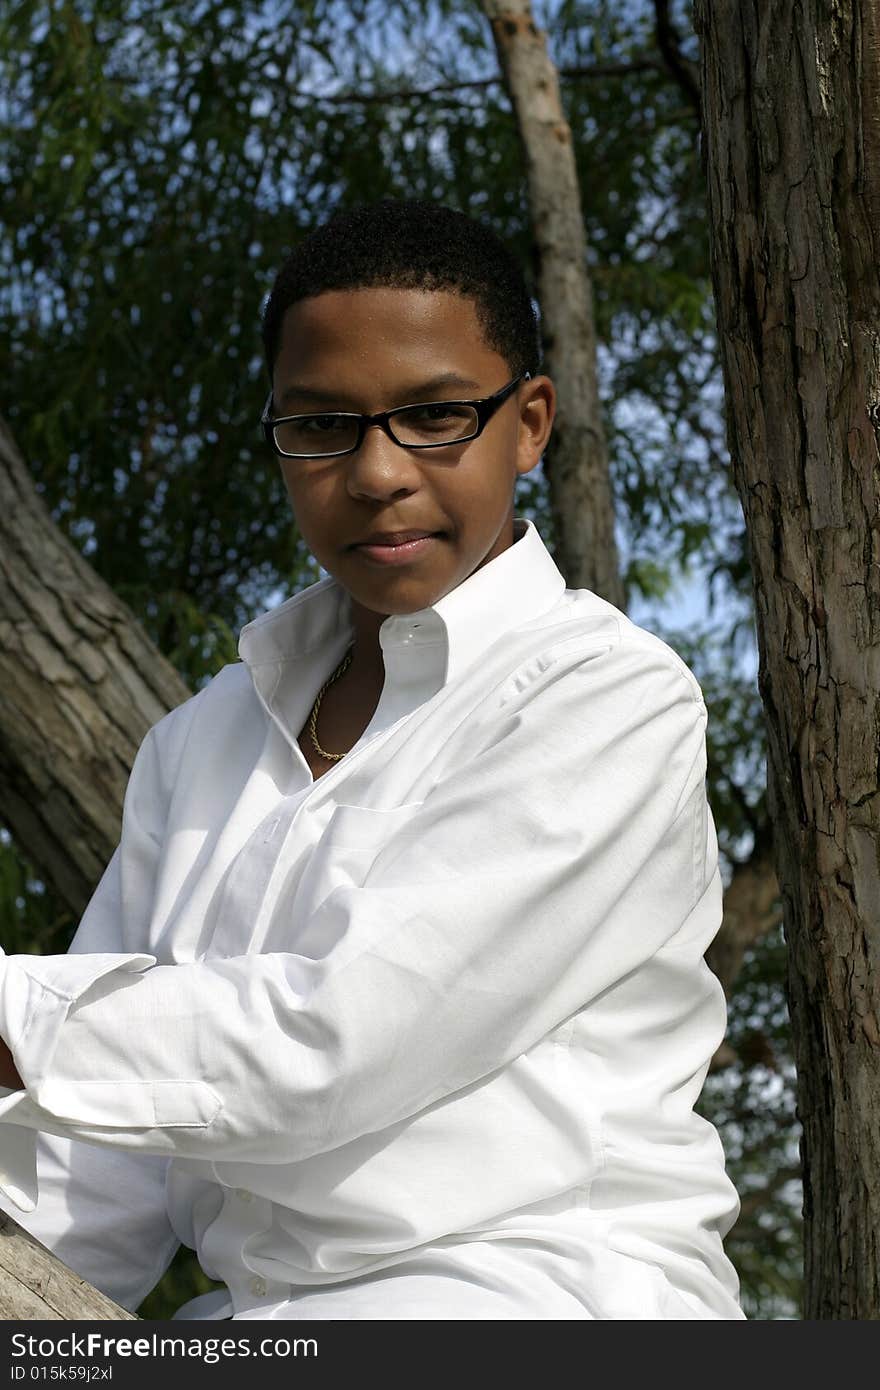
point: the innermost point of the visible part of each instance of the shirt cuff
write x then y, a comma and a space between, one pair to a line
18, 1154
36, 994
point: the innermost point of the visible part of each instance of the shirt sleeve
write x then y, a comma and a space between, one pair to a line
101, 1211
557, 858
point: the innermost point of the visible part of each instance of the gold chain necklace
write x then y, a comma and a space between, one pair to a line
313, 717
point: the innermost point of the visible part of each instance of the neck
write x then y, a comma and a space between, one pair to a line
366, 661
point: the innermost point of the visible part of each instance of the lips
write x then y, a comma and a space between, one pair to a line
394, 537
396, 547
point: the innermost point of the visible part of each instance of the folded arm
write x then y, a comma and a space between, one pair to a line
553, 863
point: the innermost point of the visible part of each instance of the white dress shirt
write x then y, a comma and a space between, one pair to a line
420, 1038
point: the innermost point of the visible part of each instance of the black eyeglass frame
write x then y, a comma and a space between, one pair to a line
485, 408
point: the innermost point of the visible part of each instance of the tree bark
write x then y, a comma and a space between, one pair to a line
791, 96
34, 1284
581, 499
81, 683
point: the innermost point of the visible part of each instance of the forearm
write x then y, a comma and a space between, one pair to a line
8, 1075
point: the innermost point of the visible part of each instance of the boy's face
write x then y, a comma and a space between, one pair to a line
369, 350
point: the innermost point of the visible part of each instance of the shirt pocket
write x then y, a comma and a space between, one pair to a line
341, 858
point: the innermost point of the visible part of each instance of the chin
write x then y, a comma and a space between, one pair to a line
402, 599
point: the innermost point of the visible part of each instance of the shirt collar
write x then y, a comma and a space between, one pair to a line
518, 585
421, 651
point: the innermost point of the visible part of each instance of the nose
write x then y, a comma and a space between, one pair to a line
381, 469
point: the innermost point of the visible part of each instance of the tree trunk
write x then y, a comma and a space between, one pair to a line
577, 458
33, 1284
81, 685
578, 474
791, 96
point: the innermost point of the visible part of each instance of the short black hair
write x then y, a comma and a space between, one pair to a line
413, 244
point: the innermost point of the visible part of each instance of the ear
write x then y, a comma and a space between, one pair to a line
537, 409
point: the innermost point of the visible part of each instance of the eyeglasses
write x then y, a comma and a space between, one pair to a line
429, 425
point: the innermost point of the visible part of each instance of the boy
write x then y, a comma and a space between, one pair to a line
392, 1002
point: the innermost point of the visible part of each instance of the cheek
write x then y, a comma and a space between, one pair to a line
308, 500
485, 491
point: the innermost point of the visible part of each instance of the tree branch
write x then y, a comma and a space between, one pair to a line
34, 1284
685, 72
597, 70
751, 909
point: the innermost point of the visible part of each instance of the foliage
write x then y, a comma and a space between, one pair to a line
184, 1279
32, 917
752, 1102
159, 159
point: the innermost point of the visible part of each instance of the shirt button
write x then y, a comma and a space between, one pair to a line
258, 1286
243, 1195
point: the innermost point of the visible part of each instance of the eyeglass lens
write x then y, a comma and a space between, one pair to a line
314, 435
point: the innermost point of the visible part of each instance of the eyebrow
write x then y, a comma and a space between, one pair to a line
296, 391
